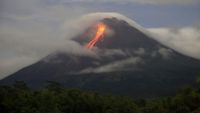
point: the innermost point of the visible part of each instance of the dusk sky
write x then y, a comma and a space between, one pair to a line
31, 29
149, 13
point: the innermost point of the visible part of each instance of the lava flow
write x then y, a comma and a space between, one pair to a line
99, 35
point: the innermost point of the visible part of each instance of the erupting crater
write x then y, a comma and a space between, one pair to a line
101, 28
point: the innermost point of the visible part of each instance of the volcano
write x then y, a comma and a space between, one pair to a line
129, 63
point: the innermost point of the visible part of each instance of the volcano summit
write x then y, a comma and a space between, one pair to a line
128, 62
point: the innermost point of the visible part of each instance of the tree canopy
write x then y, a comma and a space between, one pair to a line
54, 98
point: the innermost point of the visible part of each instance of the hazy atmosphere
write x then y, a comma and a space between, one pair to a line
32, 29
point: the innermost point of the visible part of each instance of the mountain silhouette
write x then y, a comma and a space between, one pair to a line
129, 63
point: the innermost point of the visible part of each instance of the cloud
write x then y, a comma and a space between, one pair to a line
20, 47
129, 63
185, 40
10, 65
31, 29
165, 53
110, 52
140, 51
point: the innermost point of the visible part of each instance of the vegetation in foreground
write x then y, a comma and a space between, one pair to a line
18, 98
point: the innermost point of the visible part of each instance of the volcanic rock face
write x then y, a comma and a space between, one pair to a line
128, 63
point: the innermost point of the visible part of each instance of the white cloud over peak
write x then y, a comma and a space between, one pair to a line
185, 40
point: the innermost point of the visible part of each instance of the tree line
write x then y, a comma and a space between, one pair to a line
18, 98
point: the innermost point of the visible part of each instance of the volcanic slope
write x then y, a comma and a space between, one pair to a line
129, 63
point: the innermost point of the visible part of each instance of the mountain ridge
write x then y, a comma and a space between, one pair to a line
129, 63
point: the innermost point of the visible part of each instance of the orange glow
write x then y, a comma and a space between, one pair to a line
99, 35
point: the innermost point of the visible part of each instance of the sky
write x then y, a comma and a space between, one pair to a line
32, 29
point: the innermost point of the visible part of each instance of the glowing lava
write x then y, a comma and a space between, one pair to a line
99, 35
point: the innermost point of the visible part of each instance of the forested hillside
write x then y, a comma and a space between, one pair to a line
53, 98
